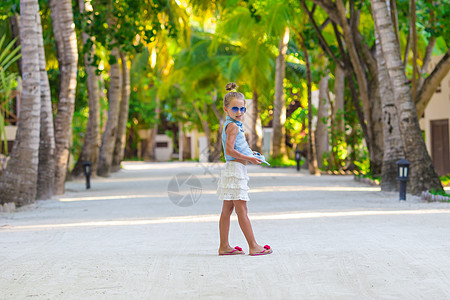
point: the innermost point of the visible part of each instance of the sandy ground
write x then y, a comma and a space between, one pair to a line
333, 238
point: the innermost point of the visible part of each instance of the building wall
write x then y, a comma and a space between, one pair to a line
439, 106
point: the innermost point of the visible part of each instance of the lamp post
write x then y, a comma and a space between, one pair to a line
403, 177
87, 170
297, 159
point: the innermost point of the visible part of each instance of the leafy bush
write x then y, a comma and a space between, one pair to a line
282, 162
445, 179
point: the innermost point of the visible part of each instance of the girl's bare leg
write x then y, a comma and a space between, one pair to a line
224, 226
246, 226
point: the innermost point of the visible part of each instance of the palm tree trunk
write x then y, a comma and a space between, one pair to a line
339, 89
153, 133
123, 116
377, 146
46, 167
321, 133
215, 156
255, 138
423, 174
279, 112
18, 182
393, 145
312, 156
110, 134
66, 45
203, 116
91, 146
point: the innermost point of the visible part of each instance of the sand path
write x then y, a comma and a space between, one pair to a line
333, 238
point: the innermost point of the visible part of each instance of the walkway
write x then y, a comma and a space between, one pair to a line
126, 238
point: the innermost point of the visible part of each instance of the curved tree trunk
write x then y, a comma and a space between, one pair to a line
66, 45
123, 116
46, 168
91, 145
109, 136
423, 175
321, 134
279, 111
18, 182
393, 144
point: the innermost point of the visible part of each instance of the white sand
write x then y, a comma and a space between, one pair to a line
124, 239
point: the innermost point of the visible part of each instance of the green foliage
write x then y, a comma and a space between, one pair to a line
8, 56
282, 162
7, 8
445, 179
440, 193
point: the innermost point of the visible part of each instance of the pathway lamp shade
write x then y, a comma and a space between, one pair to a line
403, 170
87, 168
297, 158
403, 177
297, 155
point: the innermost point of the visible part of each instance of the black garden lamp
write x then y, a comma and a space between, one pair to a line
297, 159
403, 176
87, 169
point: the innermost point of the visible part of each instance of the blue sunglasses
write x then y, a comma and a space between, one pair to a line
235, 109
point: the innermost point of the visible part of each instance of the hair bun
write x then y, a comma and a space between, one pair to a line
231, 86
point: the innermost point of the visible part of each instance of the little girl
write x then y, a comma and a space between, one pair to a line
232, 186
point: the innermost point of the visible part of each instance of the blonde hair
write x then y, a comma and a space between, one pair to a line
233, 94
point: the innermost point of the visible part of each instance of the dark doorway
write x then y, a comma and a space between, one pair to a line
440, 150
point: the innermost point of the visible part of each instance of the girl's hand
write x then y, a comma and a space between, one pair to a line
254, 160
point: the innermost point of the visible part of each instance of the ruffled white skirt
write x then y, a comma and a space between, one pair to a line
233, 181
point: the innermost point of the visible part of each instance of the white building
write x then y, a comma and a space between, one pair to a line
435, 124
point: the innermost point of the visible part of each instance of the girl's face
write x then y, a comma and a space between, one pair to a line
236, 109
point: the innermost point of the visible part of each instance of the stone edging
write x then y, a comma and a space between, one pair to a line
8, 207
366, 180
427, 196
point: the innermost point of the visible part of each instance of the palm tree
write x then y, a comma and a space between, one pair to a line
91, 145
393, 144
423, 174
254, 62
110, 133
46, 168
66, 45
279, 112
123, 115
312, 154
18, 182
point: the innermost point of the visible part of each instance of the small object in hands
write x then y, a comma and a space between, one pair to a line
261, 157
